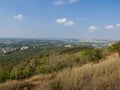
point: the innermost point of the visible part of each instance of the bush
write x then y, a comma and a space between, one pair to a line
27, 72
3, 77
115, 47
21, 71
91, 55
58, 62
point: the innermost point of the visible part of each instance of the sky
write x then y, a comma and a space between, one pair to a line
57, 19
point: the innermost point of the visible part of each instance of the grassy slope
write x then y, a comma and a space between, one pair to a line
101, 76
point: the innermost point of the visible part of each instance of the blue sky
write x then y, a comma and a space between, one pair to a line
84, 19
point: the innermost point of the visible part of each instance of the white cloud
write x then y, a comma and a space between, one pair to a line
70, 23
109, 27
118, 25
92, 28
61, 2
64, 21
18, 17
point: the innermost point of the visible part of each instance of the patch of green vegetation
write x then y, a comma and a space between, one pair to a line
115, 47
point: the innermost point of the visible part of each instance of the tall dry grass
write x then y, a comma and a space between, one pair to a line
102, 76
38, 82
15, 85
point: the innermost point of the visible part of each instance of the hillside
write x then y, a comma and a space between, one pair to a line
78, 68
104, 75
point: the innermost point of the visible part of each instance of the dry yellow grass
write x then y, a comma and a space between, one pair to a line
38, 82
102, 76
15, 85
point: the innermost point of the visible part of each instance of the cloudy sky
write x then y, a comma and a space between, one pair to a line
85, 19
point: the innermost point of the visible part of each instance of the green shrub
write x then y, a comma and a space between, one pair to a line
91, 55
115, 47
3, 77
58, 62
27, 72
21, 71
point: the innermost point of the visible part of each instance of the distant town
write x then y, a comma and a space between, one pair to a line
13, 45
